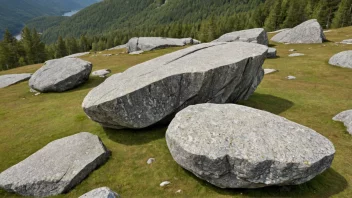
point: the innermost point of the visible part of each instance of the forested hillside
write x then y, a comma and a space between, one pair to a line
15, 13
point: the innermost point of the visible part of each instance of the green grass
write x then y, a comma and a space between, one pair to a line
321, 91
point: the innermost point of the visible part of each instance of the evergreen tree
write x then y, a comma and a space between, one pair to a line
272, 22
27, 40
61, 50
343, 16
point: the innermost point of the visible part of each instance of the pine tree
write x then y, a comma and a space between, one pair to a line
272, 22
61, 50
38, 48
27, 40
343, 16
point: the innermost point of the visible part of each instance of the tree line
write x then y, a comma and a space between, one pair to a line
272, 15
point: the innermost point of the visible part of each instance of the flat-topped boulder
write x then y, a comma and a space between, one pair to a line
103, 192
233, 146
153, 43
271, 52
257, 35
307, 32
56, 168
153, 91
342, 59
346, 118
11, 79
101, 73
60, 75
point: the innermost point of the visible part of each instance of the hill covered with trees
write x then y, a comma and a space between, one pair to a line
15, 13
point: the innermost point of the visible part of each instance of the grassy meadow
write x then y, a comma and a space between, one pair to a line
28, 122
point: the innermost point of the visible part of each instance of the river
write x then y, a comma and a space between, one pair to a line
68, 14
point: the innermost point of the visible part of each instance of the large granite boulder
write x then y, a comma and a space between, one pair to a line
60, 75
346, 118
56, 168
342, 59
257, 35
154, 91
10, 79
103, 192
233, 146
153, 43
307, 32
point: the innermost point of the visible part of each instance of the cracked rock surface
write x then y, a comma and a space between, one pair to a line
152, 43
56, 168
10, 79
307, 32
233, 146
154, 91
257, 35
60, 75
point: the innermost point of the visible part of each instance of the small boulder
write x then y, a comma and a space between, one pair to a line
136, 52
233, 146
291, 78
346, 118
150, 160
307, 32
348, 41
257, 35
10, 79
296, 55
271, 52
56, 168
342, 59
60, 75
164, 183
270, 71
103, 192
153, 43
101, 73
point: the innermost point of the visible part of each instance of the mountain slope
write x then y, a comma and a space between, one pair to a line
110, 15
14, 13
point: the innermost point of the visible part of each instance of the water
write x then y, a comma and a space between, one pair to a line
68, 14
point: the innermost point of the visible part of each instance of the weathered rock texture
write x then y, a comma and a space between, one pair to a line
307, 32
271, 52
101, 73
56, 168
10, 79
157, 89
233, 146
152, 43
60, 75
346, 118
103, 192
342, 59
257, 35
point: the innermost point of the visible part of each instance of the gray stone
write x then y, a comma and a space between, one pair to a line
60, 75
152, 43
291, 78
164, 183
153, 91
136, 52
307, 32
296, 55
56, 168
346, 118
190, 41
271, 52
10, 79
150, 160
103, 192
77, 55
119, 47
270, 71
342, 59
257, 35
233, 146
101, 73
278, 31
348, 41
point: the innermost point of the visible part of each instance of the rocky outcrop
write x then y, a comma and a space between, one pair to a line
153, 43
307, 32
257, 35
56, 168
342, 59
101, 73
154, 91
103, 192
10, 79
60, 75
346, 118
233, 146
